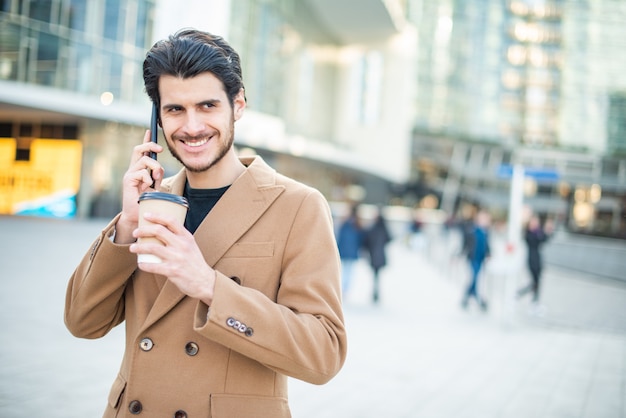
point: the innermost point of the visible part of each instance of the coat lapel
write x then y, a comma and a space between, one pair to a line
236, 212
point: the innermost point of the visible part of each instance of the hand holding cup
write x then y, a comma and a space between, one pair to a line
162, 203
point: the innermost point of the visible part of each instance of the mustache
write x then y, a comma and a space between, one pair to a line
183, 137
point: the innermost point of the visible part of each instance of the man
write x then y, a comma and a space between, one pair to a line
349, 241
477, 250
253, 296
535, 236
375, 241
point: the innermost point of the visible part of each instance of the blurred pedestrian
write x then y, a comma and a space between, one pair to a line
349, 242
416, 237
466, 227
535, 236
477, 250
375, 240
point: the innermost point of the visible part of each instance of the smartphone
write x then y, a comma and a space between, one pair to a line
154, 133
154, 128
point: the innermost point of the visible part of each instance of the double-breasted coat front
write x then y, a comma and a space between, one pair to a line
276, 310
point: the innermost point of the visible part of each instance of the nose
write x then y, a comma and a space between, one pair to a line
194, 125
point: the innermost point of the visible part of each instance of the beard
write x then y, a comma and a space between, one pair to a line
224, 147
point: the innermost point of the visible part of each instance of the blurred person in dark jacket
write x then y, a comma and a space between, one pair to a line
477, 250
349, 242
535, 236
375, 241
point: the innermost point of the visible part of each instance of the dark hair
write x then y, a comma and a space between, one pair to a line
188, 53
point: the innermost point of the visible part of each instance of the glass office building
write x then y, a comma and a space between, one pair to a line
534, 83
88, 47
320, 71
71, 73
71, 91
440, 95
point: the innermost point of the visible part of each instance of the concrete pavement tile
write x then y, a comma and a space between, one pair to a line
608, 379
622, 396
570, 393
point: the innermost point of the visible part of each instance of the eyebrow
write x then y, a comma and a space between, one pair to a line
202, 103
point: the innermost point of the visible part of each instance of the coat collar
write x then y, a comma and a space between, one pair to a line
237, 211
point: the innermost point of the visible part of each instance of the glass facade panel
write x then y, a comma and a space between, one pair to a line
47, 52
10, 51
287, 73
71, 57
77, 18
114, 85
617, 123
143, 25
111, 19
40, 10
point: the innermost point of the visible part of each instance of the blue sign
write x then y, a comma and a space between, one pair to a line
537, 173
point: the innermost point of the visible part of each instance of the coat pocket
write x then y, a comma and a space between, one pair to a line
117, 390
251, 250
246, 406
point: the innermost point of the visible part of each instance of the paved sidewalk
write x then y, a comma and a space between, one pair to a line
417, 354
420, 355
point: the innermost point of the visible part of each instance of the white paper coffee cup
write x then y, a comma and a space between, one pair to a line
161, 203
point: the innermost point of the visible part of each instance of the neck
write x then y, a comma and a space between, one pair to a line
222, 174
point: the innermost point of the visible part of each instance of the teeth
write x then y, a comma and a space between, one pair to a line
196, 143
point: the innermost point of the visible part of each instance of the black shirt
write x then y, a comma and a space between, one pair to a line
201, 201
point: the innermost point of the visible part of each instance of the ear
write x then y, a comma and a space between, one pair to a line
239, 104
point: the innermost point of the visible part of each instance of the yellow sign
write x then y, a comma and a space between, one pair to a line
46, 185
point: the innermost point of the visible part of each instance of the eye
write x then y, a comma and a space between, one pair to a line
171, 110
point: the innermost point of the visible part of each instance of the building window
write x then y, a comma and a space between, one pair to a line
370, 70
24, 133
112, 17
78, 15
617, 123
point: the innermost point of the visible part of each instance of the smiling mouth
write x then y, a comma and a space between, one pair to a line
196, 143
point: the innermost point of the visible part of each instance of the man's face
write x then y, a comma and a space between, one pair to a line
197, 119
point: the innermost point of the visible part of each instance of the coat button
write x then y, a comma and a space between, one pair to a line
249, 331
135, 407
191, 349
146, 344
180, 414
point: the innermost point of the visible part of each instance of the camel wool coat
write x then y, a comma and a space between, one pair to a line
276, 310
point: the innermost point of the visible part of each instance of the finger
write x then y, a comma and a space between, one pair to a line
168, 221
147, 171
138, 175
145, 147
154, 147
157, 180
141, 149
149, 247
149, 164
146, 176
146, 136
151, 239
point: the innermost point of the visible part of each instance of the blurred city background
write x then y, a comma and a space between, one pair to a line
423, 107
421, 104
